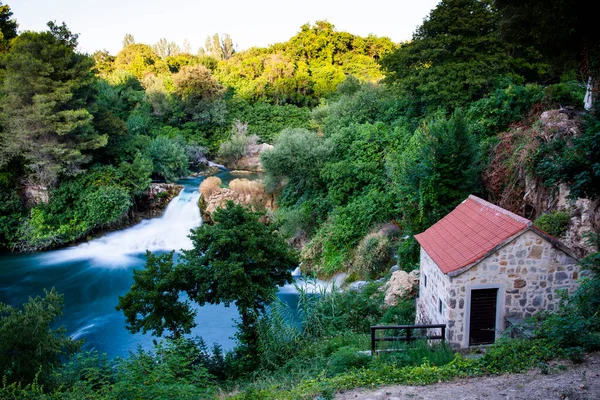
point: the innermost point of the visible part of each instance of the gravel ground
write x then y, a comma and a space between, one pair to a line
563, 381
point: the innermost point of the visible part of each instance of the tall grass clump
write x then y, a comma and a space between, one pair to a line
209, 186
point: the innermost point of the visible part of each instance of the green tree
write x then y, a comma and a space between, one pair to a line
294, 164
140, 59
29, 345
200, 94
559, 34
238, 260
48, 89
169, 158
439, 169
454, 57
153, 302
8, 26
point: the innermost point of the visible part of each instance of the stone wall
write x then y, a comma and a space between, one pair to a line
433, 287
529, 273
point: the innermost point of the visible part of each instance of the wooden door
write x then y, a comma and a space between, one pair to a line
482, 321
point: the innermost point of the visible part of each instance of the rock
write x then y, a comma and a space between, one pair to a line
240, 191
357, 285
33, 195
154, 199
251, 161
401, 285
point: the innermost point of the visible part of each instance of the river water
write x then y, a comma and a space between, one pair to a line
92, 275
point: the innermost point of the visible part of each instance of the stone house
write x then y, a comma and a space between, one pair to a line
483, 266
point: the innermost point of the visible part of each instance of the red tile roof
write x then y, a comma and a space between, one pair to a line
469, 232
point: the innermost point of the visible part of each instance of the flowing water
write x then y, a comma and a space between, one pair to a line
92, 275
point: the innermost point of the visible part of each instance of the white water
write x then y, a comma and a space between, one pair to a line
168, 232
214, 164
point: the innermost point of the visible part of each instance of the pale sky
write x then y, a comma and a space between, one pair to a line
103, 24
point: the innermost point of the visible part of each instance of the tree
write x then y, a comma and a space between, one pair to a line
200, 94
153, 301
128, 40
29, 346
140, 59
219, 48
165, 48
169, 158
8, 27
438, 169
295, 164
559, 33
454, 57
48, 91
237, 260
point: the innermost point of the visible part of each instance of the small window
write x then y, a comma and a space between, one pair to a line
440, 305
424, 280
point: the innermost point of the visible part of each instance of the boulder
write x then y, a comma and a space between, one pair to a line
251, 161
241, 191
401, 285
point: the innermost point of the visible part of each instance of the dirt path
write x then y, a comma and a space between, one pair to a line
576, 382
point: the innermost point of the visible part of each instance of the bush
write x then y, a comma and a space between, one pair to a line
234, 148
169, 158
209, 186
555, 223
249, 189
566, 94
29, 345
346, 358
97, 199
373, 255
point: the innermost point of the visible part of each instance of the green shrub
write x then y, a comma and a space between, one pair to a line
402, 313
29, 345
516, 355
373, 255
169, 158
555, 223
566, 94
346, 358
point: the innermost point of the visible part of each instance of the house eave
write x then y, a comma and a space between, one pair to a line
530, 227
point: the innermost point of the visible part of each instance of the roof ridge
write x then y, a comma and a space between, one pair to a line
494, 207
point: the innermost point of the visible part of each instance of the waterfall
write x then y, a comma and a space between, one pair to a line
214, 164
168, 232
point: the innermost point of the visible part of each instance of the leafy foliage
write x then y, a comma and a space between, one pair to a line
438, 170
47, 88
29, 346
153, 301
373, 255
453, 58
555, 223
168, 157
575, 162
238, 260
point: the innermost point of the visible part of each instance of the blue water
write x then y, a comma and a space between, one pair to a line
91, 276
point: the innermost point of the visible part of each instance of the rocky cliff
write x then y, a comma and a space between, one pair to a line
513, 184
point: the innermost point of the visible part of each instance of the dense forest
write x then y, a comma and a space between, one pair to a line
374, 142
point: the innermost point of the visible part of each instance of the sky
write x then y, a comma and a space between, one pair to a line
102, 24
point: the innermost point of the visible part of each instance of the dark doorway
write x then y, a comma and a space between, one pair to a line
482, 321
